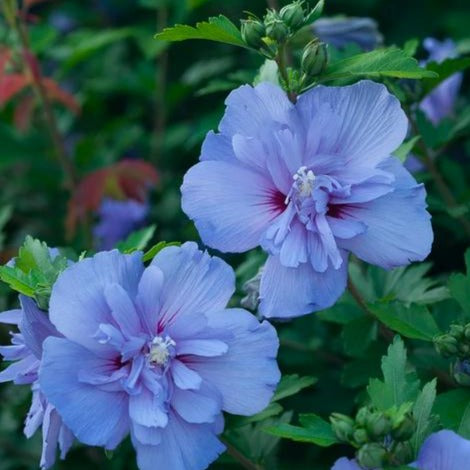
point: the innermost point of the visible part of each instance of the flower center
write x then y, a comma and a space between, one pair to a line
160, 350
303, 183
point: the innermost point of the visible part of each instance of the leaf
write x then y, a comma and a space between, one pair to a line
390, 62
398, 387
453, 409
459, 286
316, 12
137, 240
272, 409
405, 148
10, 85
422, 414
443, 71
218, 28
292, 384
315, 430
17, 280
358, 334
150, 254
414, 322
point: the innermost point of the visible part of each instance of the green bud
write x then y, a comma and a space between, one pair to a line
464, 349
253, 32
343, 426
467, 331
360, 436
276, 29
457, 331
378, 425
362, 415
293, 15
447, 345
402, 453
372, 455
314, 58
405, 428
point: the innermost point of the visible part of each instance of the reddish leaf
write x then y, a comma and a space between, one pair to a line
10, 85
33, 64
58, 94
23, 113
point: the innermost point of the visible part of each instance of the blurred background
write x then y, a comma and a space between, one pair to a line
120, 95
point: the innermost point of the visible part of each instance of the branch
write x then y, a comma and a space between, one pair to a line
245, 462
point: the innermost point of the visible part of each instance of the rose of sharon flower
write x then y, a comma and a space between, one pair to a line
341, 31
309, 182
117, 219
26, 350
443, 450
155, 352
441, 101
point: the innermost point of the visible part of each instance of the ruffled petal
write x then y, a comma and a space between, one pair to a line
345, 464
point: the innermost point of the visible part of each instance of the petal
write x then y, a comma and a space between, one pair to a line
345, 464
122, 309
201, 347
21, 372
294, 248
148, 297
11, 317
231, 205
444, 450
77, 313
184, 377
291, 292
247, 374
50, 437
35, 326
146, 409
35, 415
399, 229
95, 416
250, 109
193, 281
183, 446
217, 147
66, 439
367, 122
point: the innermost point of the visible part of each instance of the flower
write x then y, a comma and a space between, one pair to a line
155, 352
26, 352
443, 450
309, 182
341, 31
117, 219
439, 103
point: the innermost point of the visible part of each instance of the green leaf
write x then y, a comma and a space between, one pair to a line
137, 240
218, 28
443, 71
398, 387
390, 62
18, 280
272, 409
459, 286
453, 409
150, 254
414, 322
422, 414
405, 148
292, 384
316, 12
358, 334
410, 47
315, 430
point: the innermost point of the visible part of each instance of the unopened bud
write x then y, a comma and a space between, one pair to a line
405, 429
371, 455
314, 58
276, 29
447, 345
360, 436
293, 15
457, 331
362, 415
378, 425
343, 426
253, 32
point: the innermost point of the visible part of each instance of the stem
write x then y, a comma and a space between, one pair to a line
281, 60
49, 116
245, 462
441, 185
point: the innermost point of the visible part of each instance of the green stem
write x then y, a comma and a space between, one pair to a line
281, 60
244, 461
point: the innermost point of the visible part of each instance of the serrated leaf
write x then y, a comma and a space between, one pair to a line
150, 254
315, 430
292, 384
414, 322
271, 410
443, 71
137, 240
17, 280
217, 28
398, 387
405, 148
422, 413
390, 62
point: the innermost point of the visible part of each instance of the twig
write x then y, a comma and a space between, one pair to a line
245, 462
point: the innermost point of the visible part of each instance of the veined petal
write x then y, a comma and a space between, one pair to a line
147, 409
122, 309
184, 377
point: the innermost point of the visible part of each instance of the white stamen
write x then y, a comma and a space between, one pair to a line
160, 350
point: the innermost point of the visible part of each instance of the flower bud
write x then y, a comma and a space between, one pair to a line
405, 429
343, 426
314, 58
403, 453
457, 331
276, 29
378, 425
293, 15
253, 32
360, 436
362, 416
464, 350
371, 455
447, 345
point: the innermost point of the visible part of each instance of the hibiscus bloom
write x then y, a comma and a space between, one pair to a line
309, 182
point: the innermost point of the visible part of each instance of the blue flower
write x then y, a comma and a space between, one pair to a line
441, 101
443, 450
341, 31
155, 352
309, 182
117, 219
26, 352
